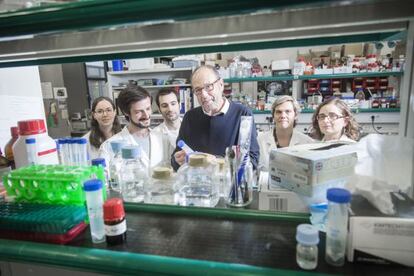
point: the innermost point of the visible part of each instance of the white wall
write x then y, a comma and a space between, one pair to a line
20, 98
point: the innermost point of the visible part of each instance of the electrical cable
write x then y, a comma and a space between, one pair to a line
373, 125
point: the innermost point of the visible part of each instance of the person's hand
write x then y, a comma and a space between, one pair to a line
180, 157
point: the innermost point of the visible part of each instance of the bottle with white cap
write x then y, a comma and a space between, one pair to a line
133, 175
45, 145
307, 237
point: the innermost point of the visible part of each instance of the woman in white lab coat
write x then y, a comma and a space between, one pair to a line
333, 121
104, 125
285, 112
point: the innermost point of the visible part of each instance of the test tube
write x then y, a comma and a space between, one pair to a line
31, 151
71, 151
82, 152
181, 144
64, 149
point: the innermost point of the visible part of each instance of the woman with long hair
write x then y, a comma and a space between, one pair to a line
104, 125
333, 120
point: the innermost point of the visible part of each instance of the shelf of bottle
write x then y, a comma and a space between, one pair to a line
145, 71
355, 110
154, 86
309, 77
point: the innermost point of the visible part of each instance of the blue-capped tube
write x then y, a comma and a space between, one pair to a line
181, 144
31, 151
82, 151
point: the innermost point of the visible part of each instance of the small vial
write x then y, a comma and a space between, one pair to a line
181, 144
115, 223
94, 202
336, 226
307, 237
31, 151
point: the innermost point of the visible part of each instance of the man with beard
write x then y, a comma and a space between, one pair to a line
169, 108
214, 125
135, 104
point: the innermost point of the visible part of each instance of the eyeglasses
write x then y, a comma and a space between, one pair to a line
100, 112
331, 116
207, 87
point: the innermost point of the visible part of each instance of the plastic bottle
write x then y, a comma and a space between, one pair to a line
115, 165
101, 162
31, 151
133, 175
336, 226
196, 187
8, 149
160, 188
46, 146
94, 202
115, 223
307, 237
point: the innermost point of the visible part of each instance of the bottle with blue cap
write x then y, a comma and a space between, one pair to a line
307, 237
94, 203
100, 162
337, 226
115, 164
31, 151
133, 175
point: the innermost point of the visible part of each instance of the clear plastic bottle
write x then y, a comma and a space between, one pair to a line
94, 202
160, 188
307, 237
115, 165
133, 175
336, 226
196, 187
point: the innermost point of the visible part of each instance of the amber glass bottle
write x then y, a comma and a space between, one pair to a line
115, 223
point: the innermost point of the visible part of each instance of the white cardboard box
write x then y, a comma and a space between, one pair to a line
140, 63
281, 200
380, 239
282, 64
303, 168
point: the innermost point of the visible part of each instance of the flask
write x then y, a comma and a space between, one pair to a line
115, 165
196, 187
115, 223
133, 175
94, 202
46, 146
307, 237
160, 188
31, 151
101, 162
8, 149
336, 227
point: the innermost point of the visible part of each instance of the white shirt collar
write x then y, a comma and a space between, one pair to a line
223, 110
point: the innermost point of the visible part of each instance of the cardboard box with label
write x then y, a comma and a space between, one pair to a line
382, 239
303, 168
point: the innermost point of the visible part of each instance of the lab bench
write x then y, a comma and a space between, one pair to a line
174, 240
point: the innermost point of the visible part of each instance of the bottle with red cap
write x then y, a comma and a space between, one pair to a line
8, 149
45, 145
115, 223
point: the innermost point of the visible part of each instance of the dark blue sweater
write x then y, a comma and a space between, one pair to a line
212, 134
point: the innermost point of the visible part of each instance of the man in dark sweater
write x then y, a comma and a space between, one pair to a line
214, 125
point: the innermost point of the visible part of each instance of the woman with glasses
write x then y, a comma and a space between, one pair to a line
104, 125
333, 121
285, 112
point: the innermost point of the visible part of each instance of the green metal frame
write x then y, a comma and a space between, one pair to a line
88, 14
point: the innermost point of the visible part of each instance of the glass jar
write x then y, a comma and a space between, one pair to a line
307, 237
160, 188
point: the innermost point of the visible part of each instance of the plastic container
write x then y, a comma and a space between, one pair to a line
133, 175
46, 146
307, 237
196, 187
117, 65
115, 223
8, 149
94, 202
31, 151
52, 184
336, 226
160, 188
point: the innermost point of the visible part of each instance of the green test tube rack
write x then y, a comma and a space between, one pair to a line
51, 184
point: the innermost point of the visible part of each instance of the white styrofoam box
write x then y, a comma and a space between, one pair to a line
140, 63
342, 70
282, 64
323, 71
379, 239
306, 168
281, 200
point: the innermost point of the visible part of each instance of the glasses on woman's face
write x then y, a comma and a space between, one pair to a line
207, 87
331, 116
101, 112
